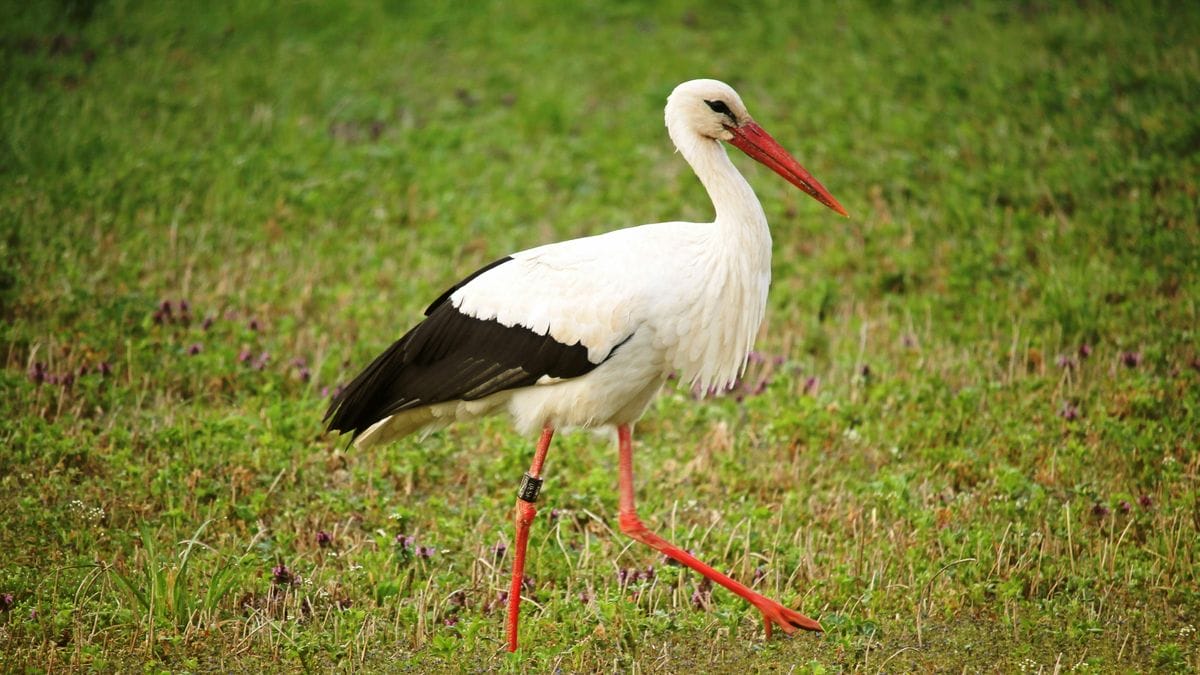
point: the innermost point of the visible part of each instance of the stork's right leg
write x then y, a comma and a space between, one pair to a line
530, 484
773, 612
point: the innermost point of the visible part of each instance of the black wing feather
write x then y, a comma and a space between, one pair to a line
451, 356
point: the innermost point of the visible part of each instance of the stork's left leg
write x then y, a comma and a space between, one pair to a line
526, 496
773, 612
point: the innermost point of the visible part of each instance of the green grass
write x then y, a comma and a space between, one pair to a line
934, 470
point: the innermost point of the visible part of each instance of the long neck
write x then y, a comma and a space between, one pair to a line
735, 202
739, 263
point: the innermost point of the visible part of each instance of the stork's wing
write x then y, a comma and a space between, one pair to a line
557, 311
453, 356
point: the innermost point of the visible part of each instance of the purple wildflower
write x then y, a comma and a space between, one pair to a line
208, 322
702, 596
184, 307
81, 371
811, 384
1125, 507
253, 325
6, 602
282, 576
865, 372
305, 375
1085, 350
500, 600
261, 361
425, 552
648, 573
527, 583
1065, 361
451, 621
165, 308
324, 539
67, 380
405, 542
37, 372
585, 598
755, 357
1100, 510
104, 368
457, 599
244, 356
194, 349
623, 577
1145, 501
1131, 359
759, 573
499, 550
1068, 411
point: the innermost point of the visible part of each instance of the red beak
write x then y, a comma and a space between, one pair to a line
752, 140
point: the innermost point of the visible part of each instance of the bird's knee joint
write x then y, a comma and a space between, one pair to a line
631, 524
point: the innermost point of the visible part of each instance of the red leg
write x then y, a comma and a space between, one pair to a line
525, 513
773, 612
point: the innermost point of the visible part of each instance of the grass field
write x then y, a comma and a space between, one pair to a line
968, 442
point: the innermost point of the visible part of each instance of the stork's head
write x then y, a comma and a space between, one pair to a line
711, 109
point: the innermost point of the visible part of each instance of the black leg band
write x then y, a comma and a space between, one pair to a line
530, 487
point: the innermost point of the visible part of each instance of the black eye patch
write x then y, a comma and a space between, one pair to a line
722, 108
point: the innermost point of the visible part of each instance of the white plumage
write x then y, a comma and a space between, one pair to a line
583, 333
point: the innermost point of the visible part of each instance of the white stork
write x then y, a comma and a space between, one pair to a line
584, 333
